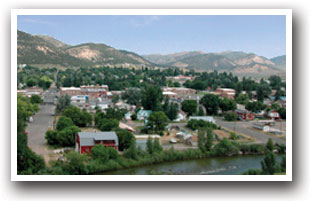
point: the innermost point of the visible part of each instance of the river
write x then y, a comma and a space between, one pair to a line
208, 166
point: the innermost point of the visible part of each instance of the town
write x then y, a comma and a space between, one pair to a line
92, 120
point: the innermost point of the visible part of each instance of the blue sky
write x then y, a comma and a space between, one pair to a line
263, 35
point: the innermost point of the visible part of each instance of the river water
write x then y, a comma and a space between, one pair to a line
208, 166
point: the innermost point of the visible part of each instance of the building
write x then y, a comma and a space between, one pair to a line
79, 99
204, 118
226, 92
70, 91
85, 141
94, 91
244, 114
261, 126
273, 114
169, 94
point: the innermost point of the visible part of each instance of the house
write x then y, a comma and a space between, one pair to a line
204, 118
94, 91
261, 126
273, 114
143, 114
226, 92
244, 114
85, 141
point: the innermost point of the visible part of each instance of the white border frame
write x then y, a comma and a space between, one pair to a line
286, 12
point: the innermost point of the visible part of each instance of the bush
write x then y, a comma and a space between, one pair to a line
225, 148
195, 124
133, 117
103, 154
64, 122
233, 136
66, 137
230, 116
51, 137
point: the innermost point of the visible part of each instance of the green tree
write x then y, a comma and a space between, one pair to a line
103, 154
269, 145
227, 104
156, 146
125, 139
242, 99
63, 103
211, 103
75, 164
157, 121
108, 124
36, 99
282, 112
149, 145
262, 91
209, 142
189, 106
115, 98
201, 140
51, 137
132, 96
66, 137
64, 122
230, 116
134, 117
269, 163
132, 152
255, 106
201, 112
151, 98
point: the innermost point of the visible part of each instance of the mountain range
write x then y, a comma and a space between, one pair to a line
46, 50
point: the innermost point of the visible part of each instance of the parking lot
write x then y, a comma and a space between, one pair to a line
245, 127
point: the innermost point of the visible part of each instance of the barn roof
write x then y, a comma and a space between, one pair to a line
89, 138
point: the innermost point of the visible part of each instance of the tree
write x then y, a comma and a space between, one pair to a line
209, 142
275, 81
32, 82
201, 140
63, 103
64, 122
132, 96
103, 154
255, 106
51, 137
171, 110
108, 124
151, 98
75, 164
262, 91
115, 99
132, 152
269, 163
157, 121
242, 99
66, 137
36, 99
189, 106
227, 104
149, 145
211, 103
201, 112
134, 117
124, 139
156, 146
230, 116
282, 112
269, 145
79, 118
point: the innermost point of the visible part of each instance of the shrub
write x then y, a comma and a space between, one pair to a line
66, 137
108, 124
51, 137
230, 116
225, 148
233, 136
124, 139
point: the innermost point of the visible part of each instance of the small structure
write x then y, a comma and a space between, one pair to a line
204, 118
85, 141
79, 99
273, 114
244, 114
126, 127
143, 114
261, 126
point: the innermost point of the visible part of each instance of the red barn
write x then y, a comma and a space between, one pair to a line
85, 141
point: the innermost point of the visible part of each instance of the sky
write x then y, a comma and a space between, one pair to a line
263, 35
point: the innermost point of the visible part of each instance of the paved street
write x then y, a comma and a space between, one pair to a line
245, 128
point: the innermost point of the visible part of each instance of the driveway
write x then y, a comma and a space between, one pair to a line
245, 128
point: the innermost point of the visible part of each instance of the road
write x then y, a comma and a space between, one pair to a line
36, 130
245, 128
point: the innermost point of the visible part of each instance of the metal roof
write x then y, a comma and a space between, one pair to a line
89, 138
